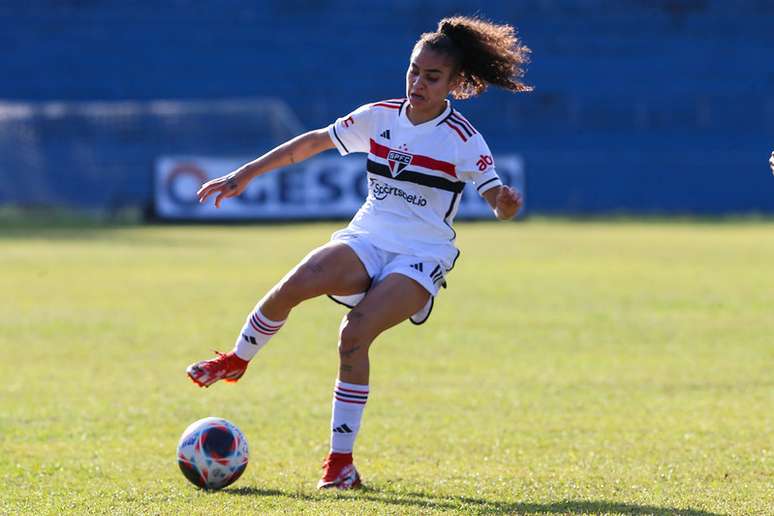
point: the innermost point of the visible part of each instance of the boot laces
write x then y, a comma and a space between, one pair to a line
216, 363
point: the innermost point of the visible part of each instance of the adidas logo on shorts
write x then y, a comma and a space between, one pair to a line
437, 274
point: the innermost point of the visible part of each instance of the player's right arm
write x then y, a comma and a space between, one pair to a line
293, 151
348, 134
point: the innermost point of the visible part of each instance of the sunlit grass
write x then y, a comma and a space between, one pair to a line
570, 368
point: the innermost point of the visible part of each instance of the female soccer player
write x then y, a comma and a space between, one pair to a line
389, 263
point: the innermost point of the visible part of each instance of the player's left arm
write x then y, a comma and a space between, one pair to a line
505, 201
478, 166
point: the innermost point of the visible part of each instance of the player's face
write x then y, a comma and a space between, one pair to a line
429, 79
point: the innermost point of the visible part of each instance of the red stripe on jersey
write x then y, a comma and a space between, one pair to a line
392, 106
464, 139
379, 150
460, 125
417, 159
461, 119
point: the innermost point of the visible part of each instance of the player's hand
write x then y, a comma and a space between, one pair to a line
226, 186
771, 162
508, 203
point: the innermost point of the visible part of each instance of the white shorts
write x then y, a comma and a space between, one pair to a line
380, 263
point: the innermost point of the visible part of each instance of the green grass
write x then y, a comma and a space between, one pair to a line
570, 368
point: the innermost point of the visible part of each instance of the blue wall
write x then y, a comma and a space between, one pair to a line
639, 106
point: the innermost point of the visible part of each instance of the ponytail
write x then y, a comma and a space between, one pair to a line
485, 53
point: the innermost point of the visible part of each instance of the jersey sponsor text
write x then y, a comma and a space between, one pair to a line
382, 190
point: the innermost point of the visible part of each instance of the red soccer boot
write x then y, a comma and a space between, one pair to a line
226, 366
339, 472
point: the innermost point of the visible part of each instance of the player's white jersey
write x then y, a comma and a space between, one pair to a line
416, 174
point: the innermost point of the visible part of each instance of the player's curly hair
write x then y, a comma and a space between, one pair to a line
484, 53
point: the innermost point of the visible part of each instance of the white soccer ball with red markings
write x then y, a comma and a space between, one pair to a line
212, 453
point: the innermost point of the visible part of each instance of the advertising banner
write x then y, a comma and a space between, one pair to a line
323, 187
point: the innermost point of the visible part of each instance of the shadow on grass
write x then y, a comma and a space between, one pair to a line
479, 505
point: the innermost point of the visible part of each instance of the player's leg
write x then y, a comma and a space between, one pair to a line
390, 302
331, 269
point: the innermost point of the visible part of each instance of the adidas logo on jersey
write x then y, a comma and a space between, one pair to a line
417, 266
386, 134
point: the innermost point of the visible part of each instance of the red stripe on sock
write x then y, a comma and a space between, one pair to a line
350, 396
263, 321
257, 322
256, 328
351, 390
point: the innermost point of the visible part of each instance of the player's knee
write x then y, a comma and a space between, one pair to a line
354, 336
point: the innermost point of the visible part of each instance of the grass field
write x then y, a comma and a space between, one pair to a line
570, 368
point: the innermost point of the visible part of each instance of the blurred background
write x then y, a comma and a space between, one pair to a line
640, 106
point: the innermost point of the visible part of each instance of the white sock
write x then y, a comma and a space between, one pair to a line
256, 332
349, 401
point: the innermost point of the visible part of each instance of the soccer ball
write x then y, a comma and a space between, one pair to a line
212, 453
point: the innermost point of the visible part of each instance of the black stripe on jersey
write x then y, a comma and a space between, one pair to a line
448, 214
451, 206
337, 137
451, 112
458, 123
464, 122
416, 177
478, 188
401, 106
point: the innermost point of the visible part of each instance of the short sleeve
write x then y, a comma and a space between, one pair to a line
477, 166
352, 132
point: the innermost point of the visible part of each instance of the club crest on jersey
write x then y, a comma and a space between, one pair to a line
398, 161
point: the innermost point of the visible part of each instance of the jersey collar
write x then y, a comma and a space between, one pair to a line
430, 124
